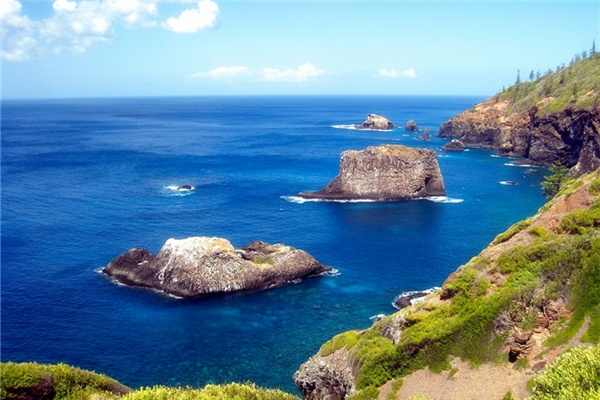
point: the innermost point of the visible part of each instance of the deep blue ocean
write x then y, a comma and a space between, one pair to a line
84, 180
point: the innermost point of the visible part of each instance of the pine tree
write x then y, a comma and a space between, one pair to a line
518, 81
531, 75
593, 50
553, 182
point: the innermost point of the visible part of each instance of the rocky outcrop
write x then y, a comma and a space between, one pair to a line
425, 136
326, 378
568, 136
453, 145
375, 121
203, 266
385, 173
411, 126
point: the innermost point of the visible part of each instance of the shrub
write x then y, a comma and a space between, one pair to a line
573, 375
232, 391
346, 339
36, 381
512, 231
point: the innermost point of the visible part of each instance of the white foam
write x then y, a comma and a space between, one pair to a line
176, 190
418, 299
333, 272
377, 317
508, 183
516, 164
301, 200
444, 199
354, 127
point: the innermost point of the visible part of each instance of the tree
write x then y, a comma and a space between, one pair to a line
593, 50
518, 81
531, 75
553, 182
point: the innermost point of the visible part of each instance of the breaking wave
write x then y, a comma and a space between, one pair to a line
444, 199
301, 200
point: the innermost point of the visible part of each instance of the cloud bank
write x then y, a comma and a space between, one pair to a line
393, 73
75, 26
303, 73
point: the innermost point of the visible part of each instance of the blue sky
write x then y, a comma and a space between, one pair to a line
76, 48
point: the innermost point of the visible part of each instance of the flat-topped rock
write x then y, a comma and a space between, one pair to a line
385, 173
204, 266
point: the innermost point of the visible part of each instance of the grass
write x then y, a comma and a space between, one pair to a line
576, 86
40, 381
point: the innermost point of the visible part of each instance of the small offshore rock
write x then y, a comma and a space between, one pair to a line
375, 121
411, 126
425, 136
454, 145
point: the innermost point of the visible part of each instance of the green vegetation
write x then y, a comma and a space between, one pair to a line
477, 317
512, 231
573, 375
263, 259
232, 391
575, 86
37, 381
346, 339
555, 181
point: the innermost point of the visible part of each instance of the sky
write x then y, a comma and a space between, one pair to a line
127, 48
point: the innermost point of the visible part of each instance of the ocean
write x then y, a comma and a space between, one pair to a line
84, 180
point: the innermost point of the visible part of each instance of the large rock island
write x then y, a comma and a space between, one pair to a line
385, 173
203, 266
377, 122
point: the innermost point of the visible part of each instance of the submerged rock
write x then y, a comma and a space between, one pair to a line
203, 266
384, 173
375, 121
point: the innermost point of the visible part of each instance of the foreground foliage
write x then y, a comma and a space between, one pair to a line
573, 375
38, 381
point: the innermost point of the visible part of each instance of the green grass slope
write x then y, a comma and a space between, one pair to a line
575, 86
542, 274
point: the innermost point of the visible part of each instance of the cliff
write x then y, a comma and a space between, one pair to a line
553, 119
202, 266
386, 172
532, 293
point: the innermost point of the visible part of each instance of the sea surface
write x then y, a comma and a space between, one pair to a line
84, 180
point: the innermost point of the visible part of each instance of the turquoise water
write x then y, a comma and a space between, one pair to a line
84, 180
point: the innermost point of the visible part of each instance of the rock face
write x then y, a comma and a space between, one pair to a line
203, 266
569, 136
375, 121
386, 172
326, 378
411, 126
425, 135
453, 145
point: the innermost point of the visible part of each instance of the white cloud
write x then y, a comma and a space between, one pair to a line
194, 20
76, 25
224, 72
393, 73
303, 73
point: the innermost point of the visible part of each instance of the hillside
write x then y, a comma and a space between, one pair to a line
555, 118
534, 292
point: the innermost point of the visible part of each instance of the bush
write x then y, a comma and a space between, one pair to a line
573, 375
232, 391
512, 231
39, 381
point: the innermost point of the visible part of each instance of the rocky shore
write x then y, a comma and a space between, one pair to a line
204, 266
569, 136
384, 173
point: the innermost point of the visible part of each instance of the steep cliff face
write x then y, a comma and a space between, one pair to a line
387, 172
568, 136
202, 266
528, 296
